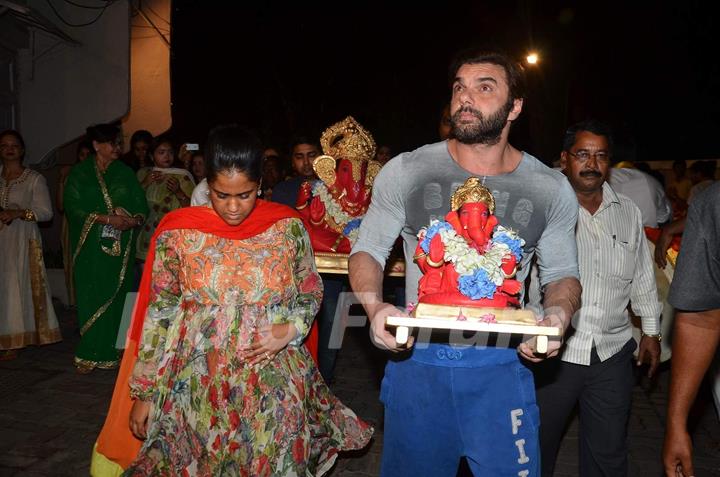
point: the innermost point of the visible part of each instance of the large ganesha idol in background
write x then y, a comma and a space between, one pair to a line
468, 260
333, 207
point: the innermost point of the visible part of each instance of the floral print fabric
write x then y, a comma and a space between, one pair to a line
160, 201
213, 415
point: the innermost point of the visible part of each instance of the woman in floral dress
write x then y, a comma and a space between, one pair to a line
223, 383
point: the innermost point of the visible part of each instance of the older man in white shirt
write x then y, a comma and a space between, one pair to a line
595, 367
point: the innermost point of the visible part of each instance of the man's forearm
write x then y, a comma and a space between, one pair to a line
695, 339
675, 227
366, 280
562, 298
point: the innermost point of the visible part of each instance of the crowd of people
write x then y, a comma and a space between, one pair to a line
216, 377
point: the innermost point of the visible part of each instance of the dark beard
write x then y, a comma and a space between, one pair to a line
486, 131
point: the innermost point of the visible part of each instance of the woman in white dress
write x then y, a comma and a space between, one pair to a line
27, 316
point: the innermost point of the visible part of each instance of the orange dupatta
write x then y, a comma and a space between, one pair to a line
115, 442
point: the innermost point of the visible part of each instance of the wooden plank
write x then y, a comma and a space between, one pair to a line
443, 324
452, 312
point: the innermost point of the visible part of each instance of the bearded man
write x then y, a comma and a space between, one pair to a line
444, 401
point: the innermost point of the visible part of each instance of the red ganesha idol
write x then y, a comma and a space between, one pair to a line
469, 263
333, 207
468, 260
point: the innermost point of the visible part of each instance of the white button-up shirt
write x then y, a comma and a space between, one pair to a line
615, 268
645, 191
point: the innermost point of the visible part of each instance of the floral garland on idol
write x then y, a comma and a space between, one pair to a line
349, 224
480, 273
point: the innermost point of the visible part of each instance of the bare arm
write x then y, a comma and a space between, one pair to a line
562, 300
666, 236
695, 339
366, 280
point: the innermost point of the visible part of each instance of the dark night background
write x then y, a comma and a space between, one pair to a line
649, 69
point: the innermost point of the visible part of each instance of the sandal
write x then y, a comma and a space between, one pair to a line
83, 369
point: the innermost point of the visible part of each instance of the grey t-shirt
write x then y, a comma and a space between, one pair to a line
415, 187
696, 282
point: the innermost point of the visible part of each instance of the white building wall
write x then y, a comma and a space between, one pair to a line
63, 88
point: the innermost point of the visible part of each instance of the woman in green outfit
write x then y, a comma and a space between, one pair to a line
104, 204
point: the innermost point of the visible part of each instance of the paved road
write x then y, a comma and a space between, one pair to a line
50, 416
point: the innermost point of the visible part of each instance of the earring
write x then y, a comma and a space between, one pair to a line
259, 192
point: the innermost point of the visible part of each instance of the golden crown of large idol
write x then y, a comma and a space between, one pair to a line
347, 140
472, 191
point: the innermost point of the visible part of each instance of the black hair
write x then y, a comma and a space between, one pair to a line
16, 134
230, 147
156, 142
706, 169
84, 144
680, 162
303, 139
710, 169
103, 133
514, 72
592, 126
643, 166
276, 148
141, 135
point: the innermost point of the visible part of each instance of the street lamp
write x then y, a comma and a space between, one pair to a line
532, 58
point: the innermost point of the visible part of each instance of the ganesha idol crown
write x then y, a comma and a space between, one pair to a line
347, 140
472, 191
334, 206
